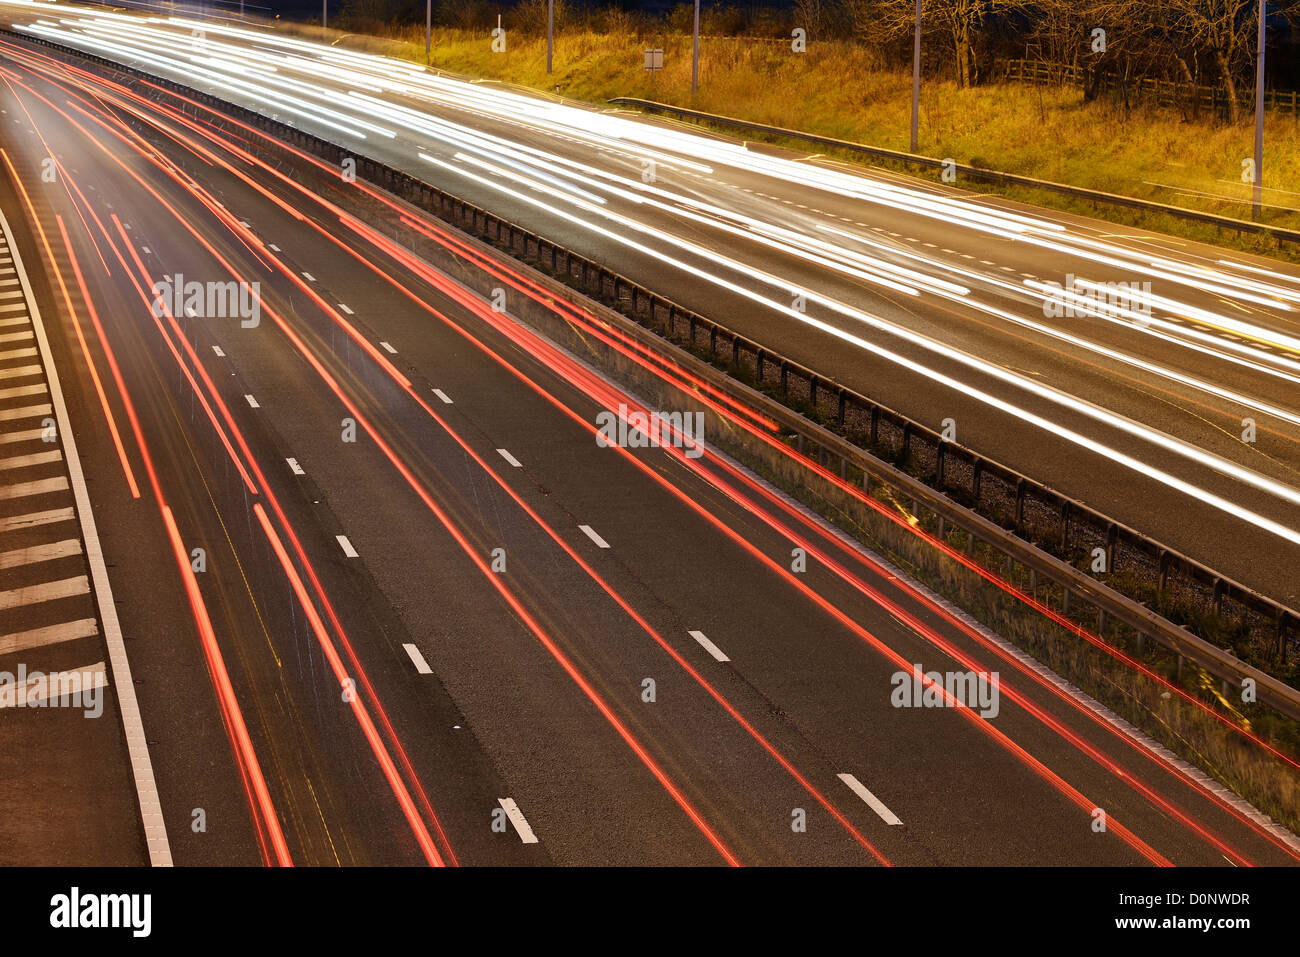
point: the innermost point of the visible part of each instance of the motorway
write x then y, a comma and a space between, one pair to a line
433, 621
1006, 319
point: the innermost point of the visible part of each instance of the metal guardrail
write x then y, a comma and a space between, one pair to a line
974, 172
1018, 517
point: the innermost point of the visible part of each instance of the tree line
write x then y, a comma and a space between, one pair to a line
1210, 42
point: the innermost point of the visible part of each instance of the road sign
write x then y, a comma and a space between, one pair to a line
654, 59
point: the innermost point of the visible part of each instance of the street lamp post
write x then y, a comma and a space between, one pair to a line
1257, 193
428, 29
695, 52
550, 31
916, 79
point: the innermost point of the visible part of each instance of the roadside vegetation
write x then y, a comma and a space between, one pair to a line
1097, 130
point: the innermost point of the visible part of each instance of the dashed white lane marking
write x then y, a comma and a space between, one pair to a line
346, 545
217, 350
35, 519
709, 646
517, 819
873, 802
58, 483
509, 458
252, 402
146, 250
388, 348
39, 553
294, 467
26, 435
21, 391
26, 412
417, 659
27, 461
273, 247
49, 635
345, 308
45, 591
61, 684
442, 395
591, 533
309, 277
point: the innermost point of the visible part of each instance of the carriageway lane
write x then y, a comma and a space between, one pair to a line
928, 299
533, 726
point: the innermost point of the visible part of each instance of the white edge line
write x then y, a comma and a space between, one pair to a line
146, 787
873, 802
518, 820
417, 659
709, 646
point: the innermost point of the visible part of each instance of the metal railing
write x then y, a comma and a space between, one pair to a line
1028, 524
1162, 92
973, 172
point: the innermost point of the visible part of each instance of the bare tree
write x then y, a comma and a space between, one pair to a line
956, 24
1224, 30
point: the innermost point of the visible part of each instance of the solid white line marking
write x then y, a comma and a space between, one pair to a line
252, 402
591, 533
43, 686
295, 467
39, 553
509, 458
45, 591
873, 802
417, 659
346, 545
217, 350
146, 788
345, 308
33, 519
517, 819
49, 635
388, 348
709, 646
442, 395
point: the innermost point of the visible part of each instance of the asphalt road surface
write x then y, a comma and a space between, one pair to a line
1118, 366
388, 601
